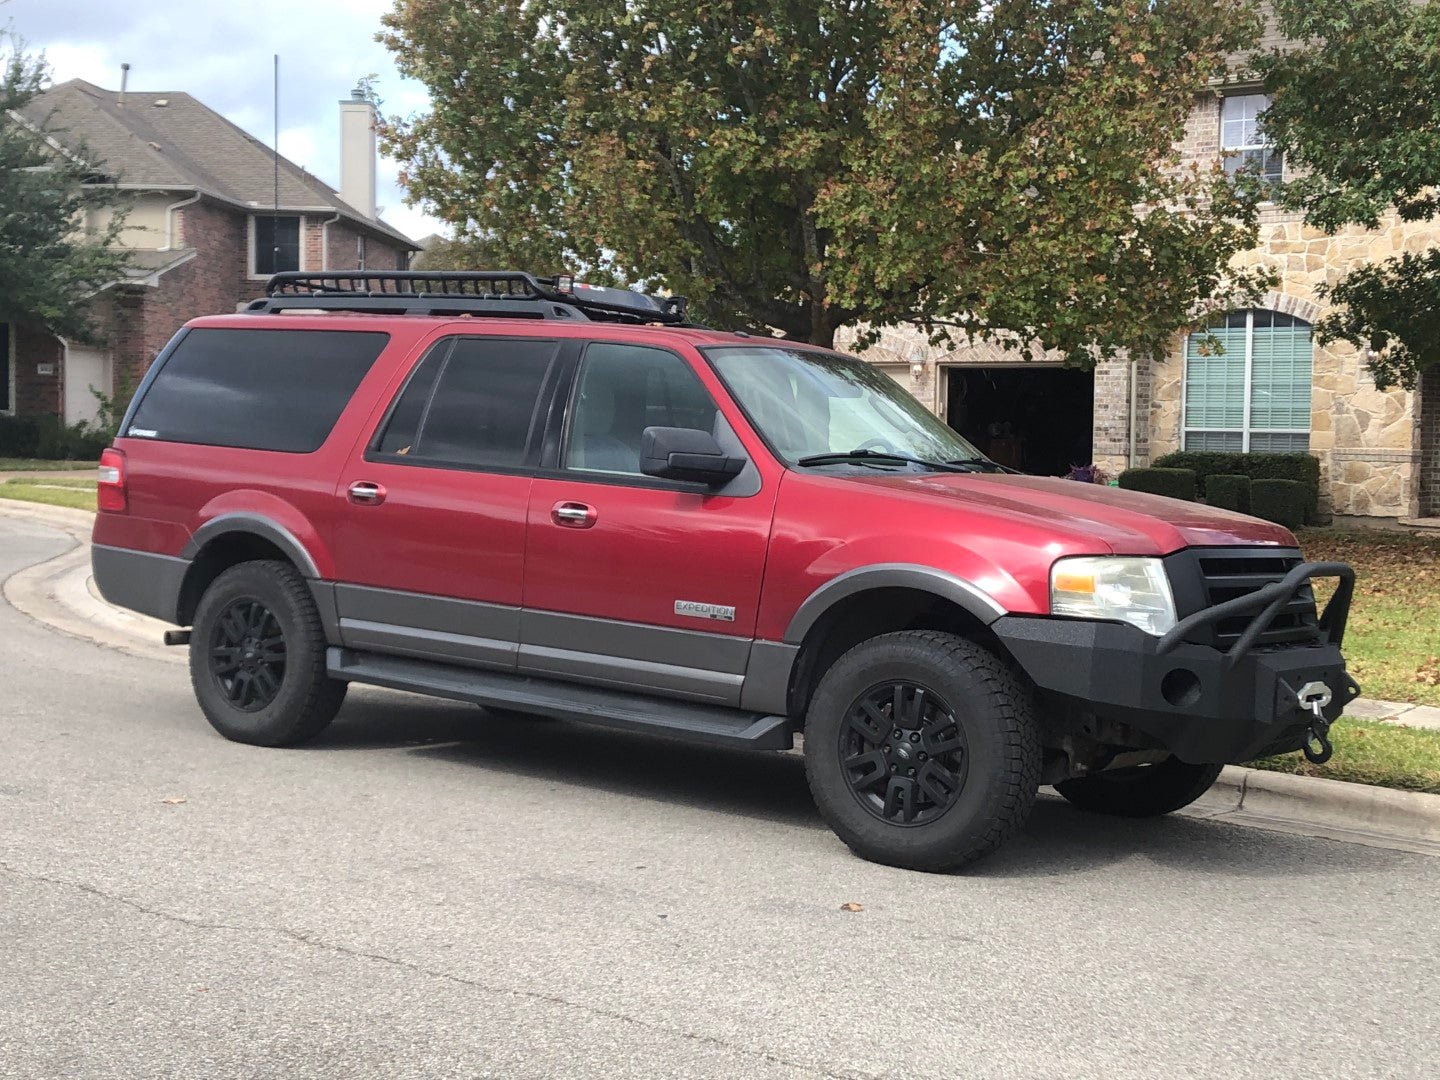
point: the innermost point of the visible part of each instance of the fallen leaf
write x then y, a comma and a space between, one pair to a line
173, 800
851, 907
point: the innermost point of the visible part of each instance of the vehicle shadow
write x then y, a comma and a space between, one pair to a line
1059, 840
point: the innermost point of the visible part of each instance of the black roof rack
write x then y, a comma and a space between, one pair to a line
508, 293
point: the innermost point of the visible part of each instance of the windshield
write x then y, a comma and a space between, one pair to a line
809, 404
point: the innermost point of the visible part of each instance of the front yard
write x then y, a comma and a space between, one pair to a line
76, 492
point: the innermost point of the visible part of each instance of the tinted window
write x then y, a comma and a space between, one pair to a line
484, 404
623, 389
256, 389
277, 244
409, 411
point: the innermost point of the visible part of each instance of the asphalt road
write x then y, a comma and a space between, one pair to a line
431, 891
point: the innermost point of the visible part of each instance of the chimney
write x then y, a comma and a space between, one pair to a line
124, 82
357, 152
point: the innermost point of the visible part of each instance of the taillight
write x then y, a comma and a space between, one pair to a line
110, 482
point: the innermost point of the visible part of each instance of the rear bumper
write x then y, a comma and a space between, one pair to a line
1197, 702
139, 580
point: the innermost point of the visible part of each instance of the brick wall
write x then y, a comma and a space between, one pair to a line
338, 246
36, 394
1429, 442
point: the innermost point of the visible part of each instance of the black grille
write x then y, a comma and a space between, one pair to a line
1229, 574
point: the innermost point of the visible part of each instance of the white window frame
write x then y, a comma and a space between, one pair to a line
12, 367
1245, 429
253, 274
1226, 150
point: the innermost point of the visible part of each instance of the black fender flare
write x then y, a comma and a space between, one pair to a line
967, 596
256, 525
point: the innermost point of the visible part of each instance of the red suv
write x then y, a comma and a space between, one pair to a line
571, 502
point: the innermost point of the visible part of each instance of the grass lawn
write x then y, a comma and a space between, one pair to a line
77, 493
18, 464
1392, 643
1370, 752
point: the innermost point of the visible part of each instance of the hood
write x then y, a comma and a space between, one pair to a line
1128, 522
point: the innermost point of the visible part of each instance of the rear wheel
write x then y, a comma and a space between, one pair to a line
257, 657
1141, 790
922, 750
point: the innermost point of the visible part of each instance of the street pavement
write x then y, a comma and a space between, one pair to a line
433, 891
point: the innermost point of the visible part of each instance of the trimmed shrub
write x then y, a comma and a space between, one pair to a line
1302, 468
1229, 492
19, 436
1280, 501
1176, 483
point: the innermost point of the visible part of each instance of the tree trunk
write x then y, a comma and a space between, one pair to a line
822, 325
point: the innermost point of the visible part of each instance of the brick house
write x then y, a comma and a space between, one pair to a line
203, 230
1275, 388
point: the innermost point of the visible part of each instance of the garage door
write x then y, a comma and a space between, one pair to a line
85, 369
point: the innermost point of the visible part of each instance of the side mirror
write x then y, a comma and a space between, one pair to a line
674, 453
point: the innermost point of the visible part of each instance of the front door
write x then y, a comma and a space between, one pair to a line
430, 544
632, 581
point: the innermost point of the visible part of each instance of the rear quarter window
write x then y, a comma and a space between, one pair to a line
256, 389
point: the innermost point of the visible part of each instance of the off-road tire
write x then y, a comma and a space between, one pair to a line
1141, 791
307, 699
990, 703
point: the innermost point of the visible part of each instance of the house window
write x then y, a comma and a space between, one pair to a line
1242, 141
1247, 384
276, 246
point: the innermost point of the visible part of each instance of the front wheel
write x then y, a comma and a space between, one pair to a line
1141, 790
922, 750
257, 657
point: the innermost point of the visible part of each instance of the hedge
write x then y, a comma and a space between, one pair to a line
47, 438
1176, 483
1280, 501
1302, 468
1229, 492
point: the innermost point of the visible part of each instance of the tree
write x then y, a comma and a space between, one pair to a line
1000, 168
51, 258
1356, 111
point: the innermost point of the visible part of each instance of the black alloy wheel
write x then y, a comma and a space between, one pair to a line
248, 654
904, 754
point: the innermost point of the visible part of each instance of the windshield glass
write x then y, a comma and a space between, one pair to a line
808, 403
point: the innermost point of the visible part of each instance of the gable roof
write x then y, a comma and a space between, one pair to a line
171, 141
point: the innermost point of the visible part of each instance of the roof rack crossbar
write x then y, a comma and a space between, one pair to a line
472, 291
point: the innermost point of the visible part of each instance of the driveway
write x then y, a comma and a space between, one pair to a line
432, 891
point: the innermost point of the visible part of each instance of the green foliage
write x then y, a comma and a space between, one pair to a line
47, 266
1176, 483
1003, 169
1280, 501
1302, 468
47, 438
1357, 114
1228, 491
110, 409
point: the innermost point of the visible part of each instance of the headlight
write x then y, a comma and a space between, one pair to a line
1131, 590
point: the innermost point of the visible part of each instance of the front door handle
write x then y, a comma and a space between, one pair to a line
365, 493
573, 515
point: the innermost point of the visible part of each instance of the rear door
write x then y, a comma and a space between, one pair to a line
431, 536
632, 581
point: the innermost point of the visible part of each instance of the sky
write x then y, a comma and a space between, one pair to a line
221, 52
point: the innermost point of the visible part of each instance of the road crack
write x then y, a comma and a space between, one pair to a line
420, 969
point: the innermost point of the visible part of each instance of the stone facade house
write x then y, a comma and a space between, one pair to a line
1274, 387
204, 232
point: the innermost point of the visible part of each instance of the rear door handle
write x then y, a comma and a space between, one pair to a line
365, 493
573, 515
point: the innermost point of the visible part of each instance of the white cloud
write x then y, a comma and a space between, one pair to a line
221, 52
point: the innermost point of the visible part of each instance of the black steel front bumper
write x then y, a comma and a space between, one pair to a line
1200, 703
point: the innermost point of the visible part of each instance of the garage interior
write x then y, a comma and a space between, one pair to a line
1035, 419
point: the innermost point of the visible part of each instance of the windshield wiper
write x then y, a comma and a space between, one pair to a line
883, 455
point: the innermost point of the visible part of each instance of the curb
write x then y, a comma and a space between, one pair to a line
59, 594
1332, 809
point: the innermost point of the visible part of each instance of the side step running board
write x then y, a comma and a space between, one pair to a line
711, 724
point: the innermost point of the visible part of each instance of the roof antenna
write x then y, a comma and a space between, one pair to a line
275, 216
124, 82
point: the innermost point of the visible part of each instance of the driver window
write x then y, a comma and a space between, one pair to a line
622, 390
